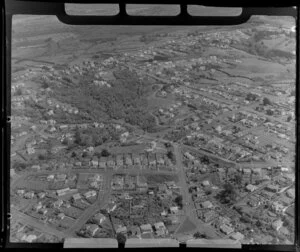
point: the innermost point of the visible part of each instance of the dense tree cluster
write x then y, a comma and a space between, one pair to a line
95, 136
125, 99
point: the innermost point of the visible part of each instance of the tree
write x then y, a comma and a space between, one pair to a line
167, 145
251, 97
178, 201
238, 179
105, 153
228, 194
77, 136
168, 222
121, 238
19, 91
205, 160
266, 101
269, 112
171, 156
199, 235
41, 157
98, 154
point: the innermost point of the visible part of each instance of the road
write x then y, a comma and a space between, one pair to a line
188, 204
102, 200
44, 228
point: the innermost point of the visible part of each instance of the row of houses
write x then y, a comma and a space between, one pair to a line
128, 159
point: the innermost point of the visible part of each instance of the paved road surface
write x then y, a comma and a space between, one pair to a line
44, 228
187, 201
102, 200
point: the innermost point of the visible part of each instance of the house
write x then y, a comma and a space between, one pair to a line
90, 194
144, 159
102, 162
99, 218
94, 163
290, 211
61, 192
30, 150
111, 207
237, 236
37, 206
36, 167
286, 201
170, 184
67, 205
92, 229
277, 207
20, 192
134, 231
174, 219
207, 204
247, 171
78, 164
128, 160
72, 177
290, 193
61, 177
160, 228
41, 195
256, 171
12, 171
205, 183
29, 238
43, 211
58, 203
226, 229
97, 177
136, 158
61, 216
94, 185
146, 228
251, 188
276, 225
189, 156
159, 158
119, 160
76, 197
141, 183
29, 195
162, 188
272, 188
209, 215
164, 213
90, 149
121, 229
253, 202
151, 159
129, 183
174, 209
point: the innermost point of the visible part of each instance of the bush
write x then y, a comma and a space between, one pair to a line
18, 166
178, 201
199, 235
266, 101
41, 157
105, 153
121, 238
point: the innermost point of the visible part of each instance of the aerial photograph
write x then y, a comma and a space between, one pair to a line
153, 132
